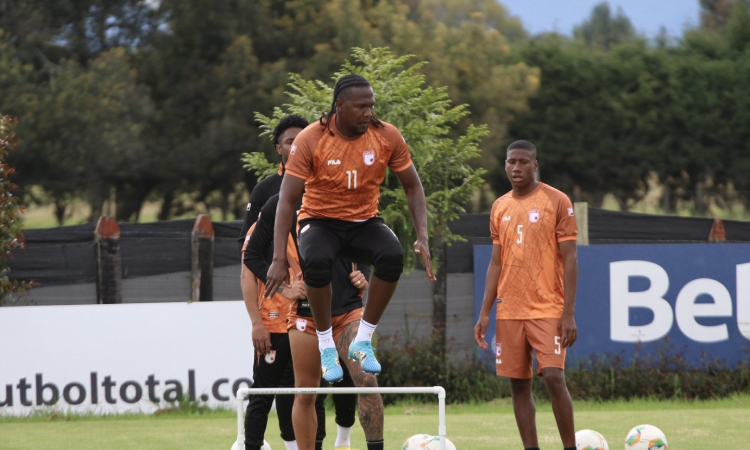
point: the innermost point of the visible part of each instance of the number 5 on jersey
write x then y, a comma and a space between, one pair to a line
520, 235
351, 176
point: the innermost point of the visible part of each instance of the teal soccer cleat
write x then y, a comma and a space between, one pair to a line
332, 371
363, 352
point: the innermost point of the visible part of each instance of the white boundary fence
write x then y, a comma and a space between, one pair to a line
244, 392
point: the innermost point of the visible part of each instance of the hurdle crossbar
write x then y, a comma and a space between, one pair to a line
244, 392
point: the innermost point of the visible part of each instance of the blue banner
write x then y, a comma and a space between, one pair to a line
692, 299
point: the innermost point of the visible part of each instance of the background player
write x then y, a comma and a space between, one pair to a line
533, 274
348, 288
340, 163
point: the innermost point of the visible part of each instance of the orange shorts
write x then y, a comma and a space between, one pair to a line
338, 323
517, 338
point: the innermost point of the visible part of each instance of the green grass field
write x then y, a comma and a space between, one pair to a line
720, 424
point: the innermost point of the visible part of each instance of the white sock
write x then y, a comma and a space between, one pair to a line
325, 339
343, 437
365, 331
291, 445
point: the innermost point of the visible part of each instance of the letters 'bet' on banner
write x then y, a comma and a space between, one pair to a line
696, 296
123, 357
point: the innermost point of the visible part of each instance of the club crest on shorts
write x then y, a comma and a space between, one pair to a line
271, 357
301, 324
498, 352
369, 156
534, 216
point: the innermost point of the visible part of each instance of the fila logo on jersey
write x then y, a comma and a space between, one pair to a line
271, 357
534, 216
369, 156
334, 162
506, 219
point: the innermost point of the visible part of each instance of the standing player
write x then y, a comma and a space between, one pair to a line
283, 135
340, 164
348, 287
533, 274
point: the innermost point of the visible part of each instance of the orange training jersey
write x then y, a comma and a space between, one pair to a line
273, 311
343, 175
528, 228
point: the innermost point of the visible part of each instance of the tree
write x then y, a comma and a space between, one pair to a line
11, 237
425, 116
604, 30
715, 14
738, 27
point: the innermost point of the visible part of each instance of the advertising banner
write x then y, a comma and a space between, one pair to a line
124, 357
692, 299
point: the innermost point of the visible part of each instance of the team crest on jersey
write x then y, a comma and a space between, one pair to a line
369, 156
570, 212
248, 206
271, 357
534, 216
293, 149
301, 324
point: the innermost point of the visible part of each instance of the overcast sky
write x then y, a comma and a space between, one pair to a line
647, 16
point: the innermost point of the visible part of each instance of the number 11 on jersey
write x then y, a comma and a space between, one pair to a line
352, 176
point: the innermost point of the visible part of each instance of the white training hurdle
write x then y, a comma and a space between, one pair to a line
244, 392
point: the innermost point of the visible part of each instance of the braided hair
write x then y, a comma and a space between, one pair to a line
345, 82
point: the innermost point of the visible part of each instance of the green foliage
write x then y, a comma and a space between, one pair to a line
425, 116
604, 30
259, 165
11, 236
658, 372
421, 362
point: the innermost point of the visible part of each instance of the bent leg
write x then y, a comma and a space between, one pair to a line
525, 411
562, 404
371, 405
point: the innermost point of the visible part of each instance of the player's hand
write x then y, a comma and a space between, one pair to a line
276, 277
358, 280
567, 330
261, 339
480, 330
296, 290
422, 247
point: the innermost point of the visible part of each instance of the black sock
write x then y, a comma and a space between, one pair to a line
318, 445
569, 448
536, 448
374, 445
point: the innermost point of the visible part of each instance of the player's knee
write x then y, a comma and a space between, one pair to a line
304, 400
389, 264
554, 378
318, 271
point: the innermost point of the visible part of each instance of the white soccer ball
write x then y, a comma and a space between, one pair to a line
590, 440
266, 446
426, 442
646, 437
415, 442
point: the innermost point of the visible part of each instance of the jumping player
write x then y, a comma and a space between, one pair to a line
348, 287
533, 275
340, 163
273, 365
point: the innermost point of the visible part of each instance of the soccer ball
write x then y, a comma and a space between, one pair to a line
646, 437
266, 445
590, 440
426, 442
418, 441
